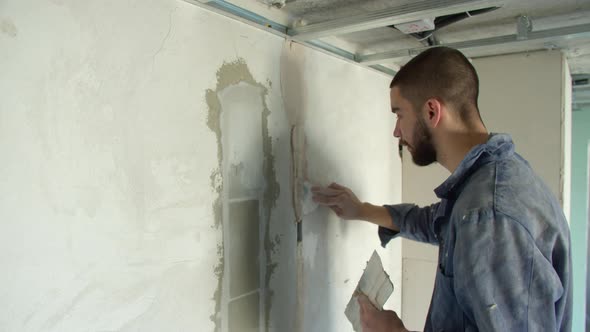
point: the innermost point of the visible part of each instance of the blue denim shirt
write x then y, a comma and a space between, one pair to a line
504, 246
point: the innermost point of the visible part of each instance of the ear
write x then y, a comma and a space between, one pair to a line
433, 112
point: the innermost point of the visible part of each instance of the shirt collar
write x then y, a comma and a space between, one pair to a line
498, 146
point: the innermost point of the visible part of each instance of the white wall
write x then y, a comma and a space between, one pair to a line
520, 94
348, 127
524, 95
419, 259
116, 171
566, 139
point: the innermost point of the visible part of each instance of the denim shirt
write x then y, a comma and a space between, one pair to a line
504, 246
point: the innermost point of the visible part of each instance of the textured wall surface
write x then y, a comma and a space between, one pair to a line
146, 172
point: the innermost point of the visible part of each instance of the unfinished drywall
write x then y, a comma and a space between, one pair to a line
520, 94
111, 165
348, 129
523, 95
144, 156
419, 259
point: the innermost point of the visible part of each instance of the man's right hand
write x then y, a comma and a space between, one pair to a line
340, 199
347, 206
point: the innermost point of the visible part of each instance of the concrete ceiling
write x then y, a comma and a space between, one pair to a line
545, 14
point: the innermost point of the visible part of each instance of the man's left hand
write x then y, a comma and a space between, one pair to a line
375, 320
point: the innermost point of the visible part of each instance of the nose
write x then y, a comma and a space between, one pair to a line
396, 131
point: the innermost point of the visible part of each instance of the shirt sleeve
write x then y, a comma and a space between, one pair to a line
415, 223
499, 277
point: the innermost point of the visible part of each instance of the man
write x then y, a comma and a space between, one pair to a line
504, 244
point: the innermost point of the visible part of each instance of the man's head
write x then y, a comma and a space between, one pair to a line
434, 91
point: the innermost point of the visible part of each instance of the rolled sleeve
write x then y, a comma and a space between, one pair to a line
414, 222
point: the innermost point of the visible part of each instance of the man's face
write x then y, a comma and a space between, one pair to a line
411, 130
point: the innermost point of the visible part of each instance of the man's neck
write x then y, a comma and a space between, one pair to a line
455, 145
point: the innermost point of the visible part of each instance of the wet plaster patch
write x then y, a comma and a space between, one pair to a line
230, 74
7, 27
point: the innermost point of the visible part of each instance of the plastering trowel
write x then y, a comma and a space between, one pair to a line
303, 203
307, 203
293, 93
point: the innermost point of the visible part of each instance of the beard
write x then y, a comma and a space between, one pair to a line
423, 151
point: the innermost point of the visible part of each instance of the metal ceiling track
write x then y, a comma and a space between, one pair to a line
543, 36
401, 14
309, 35
240, 14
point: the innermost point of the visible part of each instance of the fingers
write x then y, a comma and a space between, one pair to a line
364, 301
373, 319
364, 312
338, 210
365, 304
328, 200
327, 191
334, 194
335, 185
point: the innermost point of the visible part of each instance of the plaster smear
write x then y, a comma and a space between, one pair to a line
7, 27
243, 158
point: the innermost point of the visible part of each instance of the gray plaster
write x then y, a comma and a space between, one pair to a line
244, 314
244, 247
229, 74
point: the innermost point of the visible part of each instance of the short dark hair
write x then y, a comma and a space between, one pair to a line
440, 72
